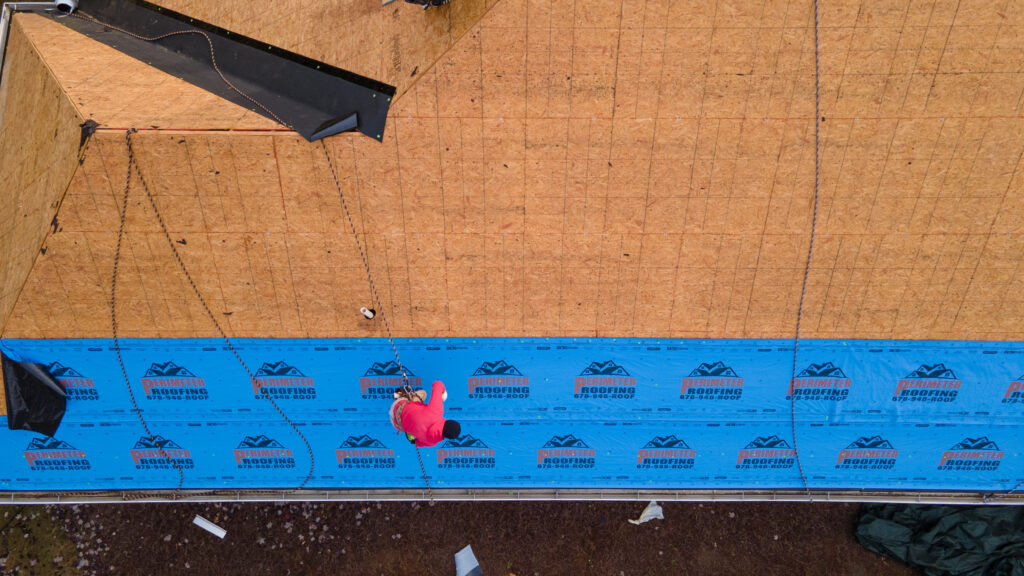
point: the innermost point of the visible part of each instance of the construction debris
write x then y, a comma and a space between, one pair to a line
209, 526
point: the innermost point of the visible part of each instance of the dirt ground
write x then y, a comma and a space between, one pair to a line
412, 538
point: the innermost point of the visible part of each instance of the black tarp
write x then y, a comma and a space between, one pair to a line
35, 400
947, 540
313, 98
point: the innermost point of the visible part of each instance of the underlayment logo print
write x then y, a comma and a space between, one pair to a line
565, 452
52, 454
820, 382
262, 452
76, 386
605, 380
168, 381
766, 452
465, 452
153, 453
929, 383
972, 454
874, 453
282, 381
714, 381
364, 452
383, 378
1015, 392
665, 452
498, 380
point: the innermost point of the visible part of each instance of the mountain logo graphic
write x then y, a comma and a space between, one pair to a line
499, 368
498, 380
873, 442
389, 368
157, 453
607, 368
929, 383
666, 442
260, 441
465, 441
76, 386
364, 451
716, 369
766, 453
712, 381
362, 441
282, 381
824, 381
665, 453
972, 454
53, 454
566, 452
605, 380
826, 370
146, 443
167, 370
381, 380
280, 368
868, 453
263, 452
168, 381
49, 444
465, 452
58, 370
567, 441
982, 443
933, 371
772, 441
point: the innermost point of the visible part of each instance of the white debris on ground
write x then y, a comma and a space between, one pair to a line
651, 512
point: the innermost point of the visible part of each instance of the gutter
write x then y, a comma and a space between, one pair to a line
492, 495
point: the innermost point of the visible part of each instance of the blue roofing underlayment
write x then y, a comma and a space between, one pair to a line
536, 413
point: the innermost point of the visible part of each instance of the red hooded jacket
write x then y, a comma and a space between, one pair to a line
426, 421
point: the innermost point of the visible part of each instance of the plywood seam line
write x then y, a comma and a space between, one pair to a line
376, 298
810, 249
441, 56
133, 164
208, 131
213, 57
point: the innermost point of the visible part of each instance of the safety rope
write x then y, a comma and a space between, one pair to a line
113, 320
213, 56
134, 165
406, 388
810, 248
986, 498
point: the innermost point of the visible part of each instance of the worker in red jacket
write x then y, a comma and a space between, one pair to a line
423, 423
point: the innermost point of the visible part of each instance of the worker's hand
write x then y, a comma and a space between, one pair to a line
444, 396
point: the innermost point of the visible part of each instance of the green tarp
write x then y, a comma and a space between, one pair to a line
947, 540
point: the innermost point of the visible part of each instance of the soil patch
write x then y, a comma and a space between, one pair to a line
521, 538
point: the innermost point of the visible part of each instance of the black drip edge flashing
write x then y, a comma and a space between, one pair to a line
368, 83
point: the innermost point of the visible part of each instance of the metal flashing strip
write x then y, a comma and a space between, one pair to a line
313, 98
241, 496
